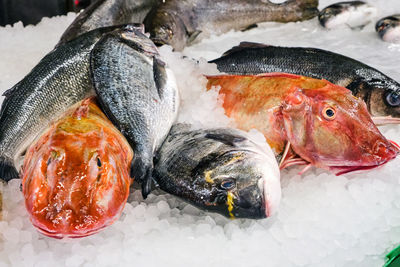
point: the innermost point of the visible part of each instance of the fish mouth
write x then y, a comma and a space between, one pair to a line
390, 154
271, 192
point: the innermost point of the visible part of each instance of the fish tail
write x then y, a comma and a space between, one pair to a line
7, 169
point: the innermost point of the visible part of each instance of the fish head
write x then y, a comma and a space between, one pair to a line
332, 129
168, 29
386, 28
240, 182
76, 176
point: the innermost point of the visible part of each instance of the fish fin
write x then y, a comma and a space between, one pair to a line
385, 120
160, 75
244, 46
193, 36
7, 169
252, 26
147, 184
305, 169
228, 139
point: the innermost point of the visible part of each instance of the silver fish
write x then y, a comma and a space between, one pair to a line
179, 22
388, 28
219, 170
58, 81
104, 13
138, 92
354, 14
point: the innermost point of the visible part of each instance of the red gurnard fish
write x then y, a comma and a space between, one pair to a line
306, 121
76, 175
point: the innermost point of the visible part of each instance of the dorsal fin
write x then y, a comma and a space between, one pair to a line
243, 46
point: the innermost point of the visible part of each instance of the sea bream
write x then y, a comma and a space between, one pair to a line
76, 175
58, 81
380, 92
353, 14
219, 170
179, 22
138, 92
104, 13
305, 120
388, 28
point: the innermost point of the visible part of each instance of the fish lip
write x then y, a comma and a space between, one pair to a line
269, 191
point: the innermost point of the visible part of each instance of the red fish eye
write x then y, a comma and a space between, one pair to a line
329, 113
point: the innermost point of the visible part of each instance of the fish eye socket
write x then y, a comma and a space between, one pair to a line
329, 113
228, 183
393, 99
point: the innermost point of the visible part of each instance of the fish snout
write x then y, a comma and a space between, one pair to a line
385, 151
250, 203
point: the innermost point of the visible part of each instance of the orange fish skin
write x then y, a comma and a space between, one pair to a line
287, 107
76, 175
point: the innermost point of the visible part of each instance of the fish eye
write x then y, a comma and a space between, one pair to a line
393, 99
228, 183
98, 162
329, 113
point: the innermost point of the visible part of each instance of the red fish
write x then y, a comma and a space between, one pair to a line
305, 120
76, 175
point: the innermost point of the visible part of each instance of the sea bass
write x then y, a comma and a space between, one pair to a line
353, 14
322, 123
76, 175
104, 13
58, 81
138, 92
179, 22
388, 28
219, 170
380, 93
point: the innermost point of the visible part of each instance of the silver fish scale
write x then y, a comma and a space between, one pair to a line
60, 80
124, 80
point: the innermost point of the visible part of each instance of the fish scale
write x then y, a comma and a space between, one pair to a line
58, 81
138, 93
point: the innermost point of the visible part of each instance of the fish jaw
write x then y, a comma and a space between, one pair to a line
76, 176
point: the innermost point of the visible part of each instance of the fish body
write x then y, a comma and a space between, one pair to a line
105, 13
354, 14
179, 22
58, 81
325, 125
380, 92
388, 28
219, 170
76, 175
138, 92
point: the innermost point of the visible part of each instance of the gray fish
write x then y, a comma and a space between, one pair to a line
381, 93
354, 14
219, 170
138, 93
179, 22
104, 13
58, 81
388, 28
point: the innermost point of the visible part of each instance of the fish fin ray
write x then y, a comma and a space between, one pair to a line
244, 46
7, 169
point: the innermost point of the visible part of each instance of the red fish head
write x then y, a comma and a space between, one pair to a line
332, 129
75, 177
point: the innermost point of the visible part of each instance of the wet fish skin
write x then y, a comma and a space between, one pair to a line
75, 177
219, 170
138, 93
323, 124
380, 92
105, 13
388, 28
58, 81
179, 22
354, 14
